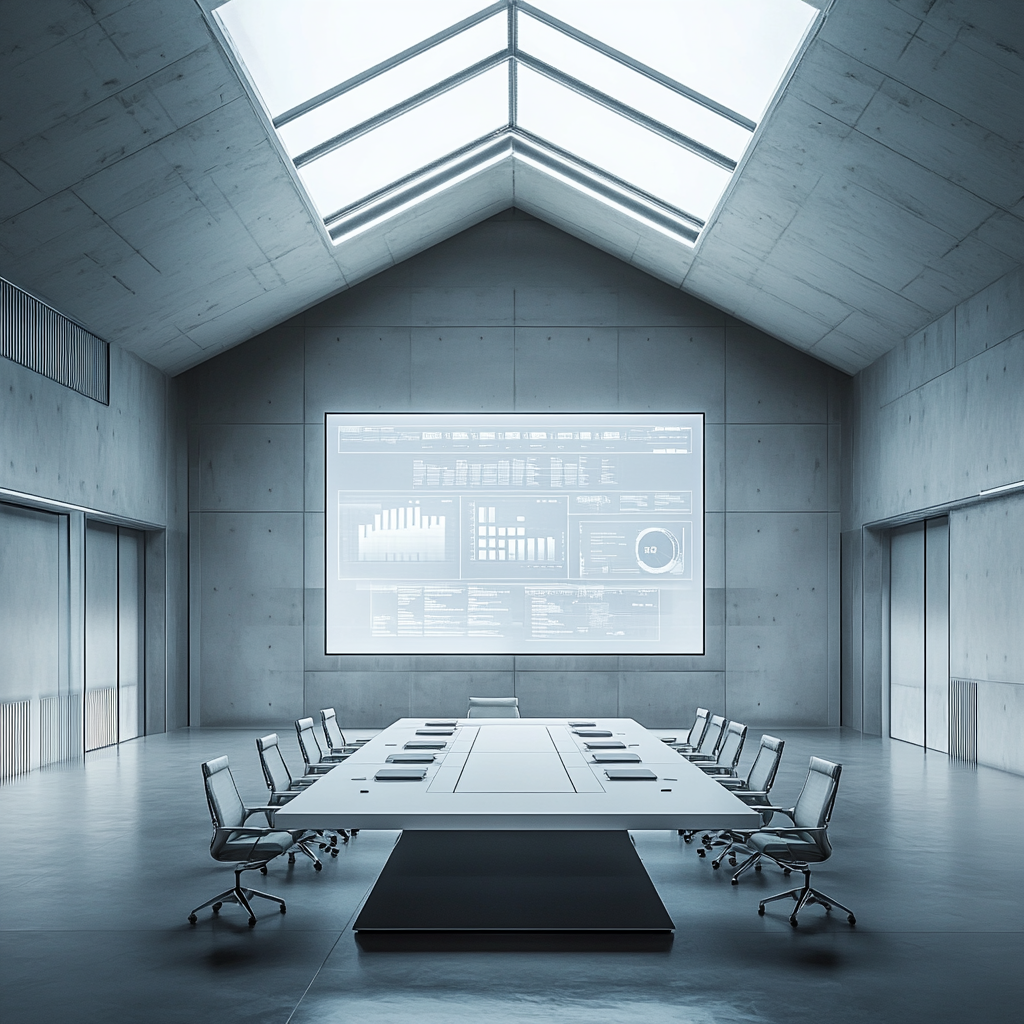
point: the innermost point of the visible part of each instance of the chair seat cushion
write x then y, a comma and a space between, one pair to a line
266, 848
795, 847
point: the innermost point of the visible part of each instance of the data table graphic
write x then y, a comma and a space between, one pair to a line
515, 533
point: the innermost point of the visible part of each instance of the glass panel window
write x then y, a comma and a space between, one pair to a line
296, 49
734, 51
402, 146
619, 146
392, 87
632, 88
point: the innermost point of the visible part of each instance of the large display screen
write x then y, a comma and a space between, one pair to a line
525, 533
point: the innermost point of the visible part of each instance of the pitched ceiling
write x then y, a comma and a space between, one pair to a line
141, 191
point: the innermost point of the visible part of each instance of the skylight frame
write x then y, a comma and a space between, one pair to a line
428, 180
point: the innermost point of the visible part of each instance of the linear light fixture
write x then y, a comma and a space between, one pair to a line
1002, 489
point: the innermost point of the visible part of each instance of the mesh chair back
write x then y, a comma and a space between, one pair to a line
493, 707
275, 771
732, 745
311, 752
712, 736
332, 731
813, 806
761, 776
699, 727
226, 807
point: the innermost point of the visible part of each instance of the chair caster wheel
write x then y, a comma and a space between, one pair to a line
216, 907
736, 881
681, 831
786, 871
757, 867
852, 919
760, 910
687, 839
715, 865
334, 854
344, 839
291, 858
252, 922
263, 870
701, 852
354, 831
283, 908
318, 866
732, 862
192, 918
793, 921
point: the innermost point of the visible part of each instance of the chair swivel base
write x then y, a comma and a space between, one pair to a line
237, 894
805, 895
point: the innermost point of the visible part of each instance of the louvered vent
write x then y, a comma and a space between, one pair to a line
14, 739
60, 728
963, 720
46, 341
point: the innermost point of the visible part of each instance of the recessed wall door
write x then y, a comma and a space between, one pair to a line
919, 633
114, 629
906, 634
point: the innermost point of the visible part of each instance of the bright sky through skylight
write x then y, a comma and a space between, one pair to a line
656, 100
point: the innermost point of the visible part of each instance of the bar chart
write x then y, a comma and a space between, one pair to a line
402, 535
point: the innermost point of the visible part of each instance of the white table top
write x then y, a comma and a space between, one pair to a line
526, 773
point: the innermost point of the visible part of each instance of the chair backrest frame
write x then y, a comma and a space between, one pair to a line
761, 776
226, 808
712, 739
813, 807
732, 745
275, 768
332, 731
493, 707
308, 743
699, 727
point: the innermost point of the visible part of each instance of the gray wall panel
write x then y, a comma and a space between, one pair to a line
357, 370
669, 369
936, 633
447, 693
259, 382
776, 467
566, 368
566, 307
666, 700
563, 694
906, 631
768, 382
462, 369
363, 700
777, 618
251, 468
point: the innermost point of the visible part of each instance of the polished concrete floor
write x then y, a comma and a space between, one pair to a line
104, 861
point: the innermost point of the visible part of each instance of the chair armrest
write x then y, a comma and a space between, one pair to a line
786, 830
247, 832
734, 783
318, 769
716, 769
750, 796
694, 758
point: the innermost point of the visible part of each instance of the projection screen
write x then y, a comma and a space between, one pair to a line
525, 533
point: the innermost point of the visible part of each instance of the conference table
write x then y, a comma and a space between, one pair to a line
515, 824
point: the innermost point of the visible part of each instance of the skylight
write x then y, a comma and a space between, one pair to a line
378, 104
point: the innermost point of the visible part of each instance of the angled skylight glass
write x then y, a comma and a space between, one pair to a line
650, 105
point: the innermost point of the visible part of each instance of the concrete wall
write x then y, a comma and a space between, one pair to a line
513, 315
926, 428
127, 461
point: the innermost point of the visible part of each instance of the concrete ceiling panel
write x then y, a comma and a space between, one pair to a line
16, 193
1005, 232
834, 82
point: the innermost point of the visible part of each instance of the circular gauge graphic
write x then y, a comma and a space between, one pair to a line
657, 550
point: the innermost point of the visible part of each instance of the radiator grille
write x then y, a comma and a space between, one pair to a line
46, 341
100, 717
963, 720
60, 729
15, 752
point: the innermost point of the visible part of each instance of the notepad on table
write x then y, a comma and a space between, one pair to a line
592, 732
612, 756
635, 774
425, 757
400, 775
605, 745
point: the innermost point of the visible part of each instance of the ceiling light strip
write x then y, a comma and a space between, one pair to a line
609, 189
630, 113
635, 65
330, 145
384, 66
413, 188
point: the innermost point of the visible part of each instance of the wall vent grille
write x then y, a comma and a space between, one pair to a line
60, 729
963, 720
15, 752
38, 337
100, 717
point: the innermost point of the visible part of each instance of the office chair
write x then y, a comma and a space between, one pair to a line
284, 788
795, 847
754, 790
493, 707
317, 762
336, 742
233, 840
691, 741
